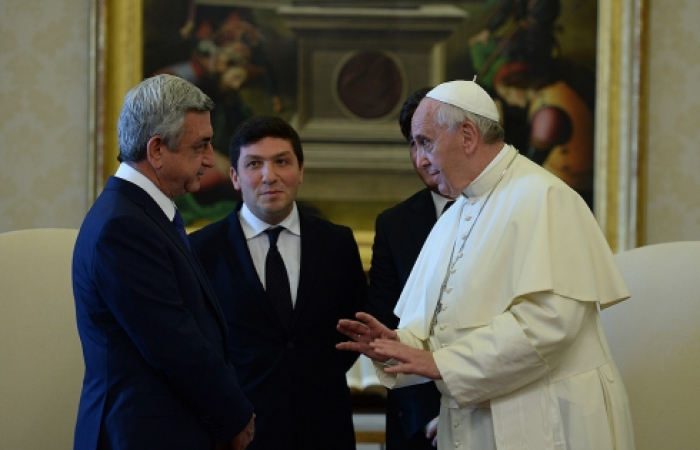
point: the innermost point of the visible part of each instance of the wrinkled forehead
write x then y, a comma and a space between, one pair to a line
424, 117
268, 148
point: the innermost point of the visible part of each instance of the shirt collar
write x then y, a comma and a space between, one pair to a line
128, 173
252, 226
439, 201
490, 175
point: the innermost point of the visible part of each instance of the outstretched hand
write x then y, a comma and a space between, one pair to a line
363, 332
407, 360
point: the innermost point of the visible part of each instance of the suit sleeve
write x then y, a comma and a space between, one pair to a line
384, 284
356, 292
150, 288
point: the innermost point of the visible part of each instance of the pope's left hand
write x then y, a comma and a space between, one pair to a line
411, 361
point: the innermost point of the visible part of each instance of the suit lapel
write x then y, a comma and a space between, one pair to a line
238, 257
151, 209
312, 248
424, 217
156, 214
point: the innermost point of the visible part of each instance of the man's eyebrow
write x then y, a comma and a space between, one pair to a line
419, 136
273, 156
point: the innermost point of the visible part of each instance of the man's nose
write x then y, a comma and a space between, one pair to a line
209, 159
422, 159
269, 172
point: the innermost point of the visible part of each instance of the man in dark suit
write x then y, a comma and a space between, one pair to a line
399, 235
283, 346
157, 372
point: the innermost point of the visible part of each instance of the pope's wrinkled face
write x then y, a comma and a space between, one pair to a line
438, 149
427, 173
268, 175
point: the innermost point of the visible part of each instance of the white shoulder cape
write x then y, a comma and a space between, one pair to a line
534, 234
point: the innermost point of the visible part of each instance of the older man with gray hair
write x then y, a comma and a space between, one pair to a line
157, 372
501, 308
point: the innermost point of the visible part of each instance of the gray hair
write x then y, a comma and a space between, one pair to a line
452, 117
157, 106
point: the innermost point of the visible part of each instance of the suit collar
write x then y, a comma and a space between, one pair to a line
424, 216
439, 203
128, 173
151, 208
423, 204
312, 258
238, 256
237, 253
253, 226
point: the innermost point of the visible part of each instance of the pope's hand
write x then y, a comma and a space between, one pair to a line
408, 360
363, 331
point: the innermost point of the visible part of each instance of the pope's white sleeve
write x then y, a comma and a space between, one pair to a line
391, 380
515, 349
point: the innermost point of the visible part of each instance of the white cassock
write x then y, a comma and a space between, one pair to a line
517, 337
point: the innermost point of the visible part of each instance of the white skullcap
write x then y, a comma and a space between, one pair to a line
466, 95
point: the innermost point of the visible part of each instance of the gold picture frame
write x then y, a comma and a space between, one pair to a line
116, 57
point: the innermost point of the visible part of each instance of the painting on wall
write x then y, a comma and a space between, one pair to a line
222, 49
537, 59
308, 61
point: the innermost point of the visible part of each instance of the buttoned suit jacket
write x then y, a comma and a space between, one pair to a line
400, 232
293, 375
153, 335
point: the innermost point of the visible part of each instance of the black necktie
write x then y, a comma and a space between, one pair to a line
276, 279
447, 206
180, 227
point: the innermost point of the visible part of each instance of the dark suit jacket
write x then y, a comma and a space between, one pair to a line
294, 377
400, 232
153, 335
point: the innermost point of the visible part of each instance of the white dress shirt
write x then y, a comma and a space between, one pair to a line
289, 244
128, 173
439, 202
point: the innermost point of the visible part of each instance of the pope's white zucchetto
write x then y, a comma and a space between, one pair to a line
466, 95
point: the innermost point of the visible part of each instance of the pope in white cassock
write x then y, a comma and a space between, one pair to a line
501, 308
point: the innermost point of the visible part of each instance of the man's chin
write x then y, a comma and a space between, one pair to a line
433, 187
446, 191
431, 181
193, 186
276, 207
275, 215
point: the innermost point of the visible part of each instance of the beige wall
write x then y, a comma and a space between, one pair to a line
44, 95
43, 113
673, 181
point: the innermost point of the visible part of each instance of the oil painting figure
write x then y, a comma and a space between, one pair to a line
221, 50
540, 68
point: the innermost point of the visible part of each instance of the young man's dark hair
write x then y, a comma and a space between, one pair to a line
407, 110
256, 129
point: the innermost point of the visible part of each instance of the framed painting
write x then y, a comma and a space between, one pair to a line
307, 61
